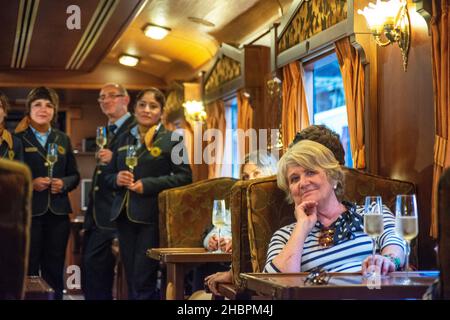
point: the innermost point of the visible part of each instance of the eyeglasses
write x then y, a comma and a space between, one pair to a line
110, 96
326, 237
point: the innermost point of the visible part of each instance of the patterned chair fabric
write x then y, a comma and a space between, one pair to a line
185, 212
15, 219
444, 233
264, 210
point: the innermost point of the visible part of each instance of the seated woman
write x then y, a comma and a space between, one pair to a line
328, 233
257, 164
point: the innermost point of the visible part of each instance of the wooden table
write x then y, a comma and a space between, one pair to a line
178, 260
285, 286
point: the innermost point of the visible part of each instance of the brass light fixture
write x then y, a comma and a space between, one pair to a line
194, 111
389, 23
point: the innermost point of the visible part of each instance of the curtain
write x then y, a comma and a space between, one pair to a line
294, 114
441, 82
245, 120
215, 120
353, 78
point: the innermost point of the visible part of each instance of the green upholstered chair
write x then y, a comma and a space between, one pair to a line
185, 212
15, 220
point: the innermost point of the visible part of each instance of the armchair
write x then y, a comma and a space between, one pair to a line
15, 221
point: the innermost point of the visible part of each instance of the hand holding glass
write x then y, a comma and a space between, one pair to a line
218, 219
52, 157
131, 160
406, 224
373, 221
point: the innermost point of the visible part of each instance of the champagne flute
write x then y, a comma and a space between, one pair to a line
218, 219
131, 159
373, 223
52, 157
406, 224
101, 138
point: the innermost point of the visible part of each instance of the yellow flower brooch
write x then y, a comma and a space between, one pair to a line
155, 151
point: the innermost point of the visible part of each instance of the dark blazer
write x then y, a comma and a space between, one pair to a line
16, 153
101, 196
157, 173
65, 168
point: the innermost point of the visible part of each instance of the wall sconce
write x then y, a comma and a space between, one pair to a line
274, 87
391, 19
194, 111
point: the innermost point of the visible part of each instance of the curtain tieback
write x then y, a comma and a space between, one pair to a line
440, 150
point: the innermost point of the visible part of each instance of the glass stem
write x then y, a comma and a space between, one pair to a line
408, 249
218, 241
374, 248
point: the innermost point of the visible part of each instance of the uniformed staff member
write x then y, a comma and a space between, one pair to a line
10, 145
50, 224
99, 231
135, 206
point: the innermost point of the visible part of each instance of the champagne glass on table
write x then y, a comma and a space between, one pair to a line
218, 219
52, 157
406, 221
131, 159
101, 139
373, 223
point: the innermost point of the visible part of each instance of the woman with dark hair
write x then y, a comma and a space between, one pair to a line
51, 185
135, 207
10, 145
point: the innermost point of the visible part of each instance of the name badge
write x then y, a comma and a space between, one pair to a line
123, 148
31, 149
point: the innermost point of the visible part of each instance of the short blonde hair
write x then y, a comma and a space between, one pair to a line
310, 155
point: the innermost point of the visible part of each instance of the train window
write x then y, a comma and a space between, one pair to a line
230, 166
326, 98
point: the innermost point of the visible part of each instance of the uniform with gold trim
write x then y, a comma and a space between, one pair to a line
137, 214
50, 224
100, 231
65, 168
10, 146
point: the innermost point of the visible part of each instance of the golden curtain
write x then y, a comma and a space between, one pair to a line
294, 114
216, 120
353, 78
441, 74
245, 120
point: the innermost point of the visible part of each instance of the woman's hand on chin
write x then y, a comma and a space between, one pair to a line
306, 214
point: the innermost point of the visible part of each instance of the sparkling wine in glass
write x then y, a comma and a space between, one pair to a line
219, 219
373, 222
131, 159
101, 138
406, 221
52, 157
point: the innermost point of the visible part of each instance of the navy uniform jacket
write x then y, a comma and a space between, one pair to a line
155, 169
65, 168
101, 196
16, 153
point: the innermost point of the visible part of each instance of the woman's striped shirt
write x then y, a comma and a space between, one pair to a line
345, 256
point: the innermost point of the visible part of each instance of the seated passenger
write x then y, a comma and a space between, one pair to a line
329, 232
257, 164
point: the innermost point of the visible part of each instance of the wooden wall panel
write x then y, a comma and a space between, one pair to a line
406, 126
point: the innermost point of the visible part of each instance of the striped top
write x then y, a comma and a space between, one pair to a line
345, 256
